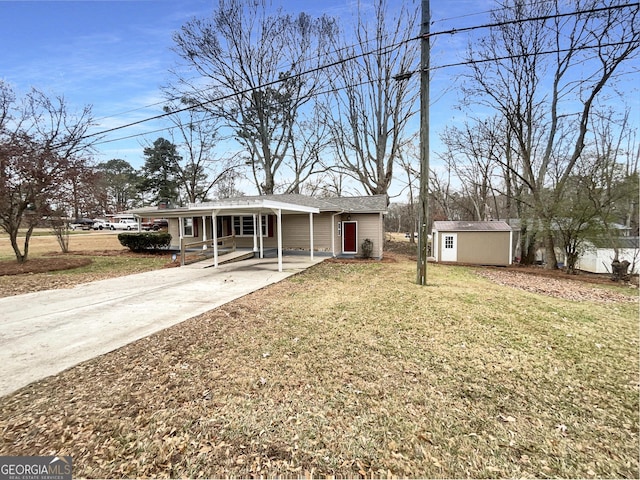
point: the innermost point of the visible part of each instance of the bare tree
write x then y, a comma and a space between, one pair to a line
259, 73
614, 181
372, 101
41, 144
408, 163
475, 152
542, 68
198, 169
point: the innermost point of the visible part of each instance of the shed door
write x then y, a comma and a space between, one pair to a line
450, 247
349, 237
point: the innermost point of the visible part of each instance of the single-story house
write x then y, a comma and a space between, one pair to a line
599, 254
479, 243
337, 226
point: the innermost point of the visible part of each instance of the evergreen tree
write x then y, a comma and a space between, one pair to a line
159, 175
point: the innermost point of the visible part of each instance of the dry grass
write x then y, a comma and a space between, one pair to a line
44, 243
351, 370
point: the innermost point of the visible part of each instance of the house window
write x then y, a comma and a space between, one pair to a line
188, 229
243, 226
448, 241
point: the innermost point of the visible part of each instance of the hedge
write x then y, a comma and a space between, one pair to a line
139, 242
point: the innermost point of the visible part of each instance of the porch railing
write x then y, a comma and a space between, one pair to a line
227, 243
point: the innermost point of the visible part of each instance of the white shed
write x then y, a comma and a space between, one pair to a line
597, 257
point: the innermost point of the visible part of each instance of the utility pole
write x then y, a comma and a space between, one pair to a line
424, 143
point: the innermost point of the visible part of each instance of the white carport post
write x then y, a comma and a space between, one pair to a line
279, 240
204, 232
255, 235
311, 234
261, 237
214, 224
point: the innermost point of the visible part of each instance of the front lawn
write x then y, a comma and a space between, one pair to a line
352, 370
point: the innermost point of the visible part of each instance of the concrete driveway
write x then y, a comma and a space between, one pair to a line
43, 333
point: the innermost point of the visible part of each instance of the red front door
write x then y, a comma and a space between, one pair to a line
349, 237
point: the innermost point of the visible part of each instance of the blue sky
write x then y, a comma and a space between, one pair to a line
114, 55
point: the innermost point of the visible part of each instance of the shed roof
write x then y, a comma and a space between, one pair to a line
620, 242
466, 226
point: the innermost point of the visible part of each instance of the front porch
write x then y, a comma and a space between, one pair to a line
220, 227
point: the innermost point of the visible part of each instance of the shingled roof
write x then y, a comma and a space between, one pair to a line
365, 204
466, 226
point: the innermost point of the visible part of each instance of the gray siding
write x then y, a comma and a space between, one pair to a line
369, 226
295, 232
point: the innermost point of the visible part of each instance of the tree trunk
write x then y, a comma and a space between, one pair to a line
527, 247
550, 251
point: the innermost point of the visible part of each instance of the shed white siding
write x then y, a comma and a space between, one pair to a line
598, 260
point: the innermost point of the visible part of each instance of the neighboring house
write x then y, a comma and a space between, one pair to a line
336, 225
598, 255
479, 243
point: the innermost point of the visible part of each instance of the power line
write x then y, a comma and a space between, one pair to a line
532, 19
382, 50
168, 128
403, 76
494, 10
347, 47
520, 55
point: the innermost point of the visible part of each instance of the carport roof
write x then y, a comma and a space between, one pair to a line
237, 206
465, 226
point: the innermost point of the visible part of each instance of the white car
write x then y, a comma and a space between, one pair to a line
125, 224
103, 225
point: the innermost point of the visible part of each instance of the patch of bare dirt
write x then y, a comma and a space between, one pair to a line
559, 274
388, 257
409, 250
404, 248
43, 265
557, 284
34, 275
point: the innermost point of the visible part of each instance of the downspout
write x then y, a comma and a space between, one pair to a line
333, 232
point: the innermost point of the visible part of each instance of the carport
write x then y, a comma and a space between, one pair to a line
250, 207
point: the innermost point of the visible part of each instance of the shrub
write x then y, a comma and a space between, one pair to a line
139, 242
367, 248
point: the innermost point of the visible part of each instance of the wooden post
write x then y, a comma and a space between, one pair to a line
424, 145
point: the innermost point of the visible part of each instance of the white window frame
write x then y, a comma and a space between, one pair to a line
448, 242
248, 219
187, 226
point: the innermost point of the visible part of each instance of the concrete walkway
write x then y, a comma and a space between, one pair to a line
43, 333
